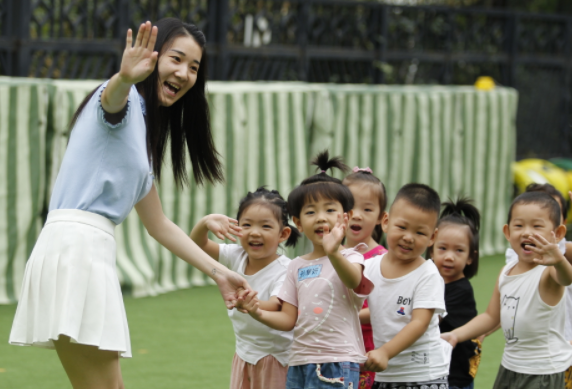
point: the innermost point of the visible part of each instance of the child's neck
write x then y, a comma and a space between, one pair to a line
369, 241
392, 267
318, 252
253, 266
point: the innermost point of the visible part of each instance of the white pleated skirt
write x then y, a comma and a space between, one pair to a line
71, 287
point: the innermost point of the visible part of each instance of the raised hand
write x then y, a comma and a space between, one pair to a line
547, 253
223, 226
139, 59
332, 239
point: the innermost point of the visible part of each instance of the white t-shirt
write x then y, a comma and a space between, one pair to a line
255, 340
391, 303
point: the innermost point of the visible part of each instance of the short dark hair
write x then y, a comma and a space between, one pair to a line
276, 203
321, 186
463, 213
543, 200
364, 176
552, 191
421, 196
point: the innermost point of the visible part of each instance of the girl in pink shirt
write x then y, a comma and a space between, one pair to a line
370, 200
323, 290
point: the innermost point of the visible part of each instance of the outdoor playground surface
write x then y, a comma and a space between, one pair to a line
184, 339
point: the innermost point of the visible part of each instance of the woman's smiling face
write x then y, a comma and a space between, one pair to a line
178, 68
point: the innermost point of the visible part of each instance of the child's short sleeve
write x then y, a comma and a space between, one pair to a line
430, 291
229, 255
288, 293
278, 285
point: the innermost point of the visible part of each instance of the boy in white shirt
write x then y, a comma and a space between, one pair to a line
408, 297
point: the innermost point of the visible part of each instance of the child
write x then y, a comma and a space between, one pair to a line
456, 255
261, 357
408, 297
528, 299
319, 297
370, 201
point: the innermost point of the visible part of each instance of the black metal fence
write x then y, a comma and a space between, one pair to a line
319, 41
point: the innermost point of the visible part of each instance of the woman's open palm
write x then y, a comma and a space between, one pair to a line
139, 59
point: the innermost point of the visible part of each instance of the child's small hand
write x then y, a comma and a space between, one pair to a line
245, 297
548, 253
450, 337
250, 304
332, 239
377, 360
223, 226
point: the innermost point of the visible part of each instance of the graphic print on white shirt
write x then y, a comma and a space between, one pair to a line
403, 302
509, 307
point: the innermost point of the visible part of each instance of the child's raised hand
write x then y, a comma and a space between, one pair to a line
139, 59
223, 226
332, 239
548, 253
450, 337
377, 360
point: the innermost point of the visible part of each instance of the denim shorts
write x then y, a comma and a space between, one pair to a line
323, 376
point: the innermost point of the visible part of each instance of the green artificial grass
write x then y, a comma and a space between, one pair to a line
184, 339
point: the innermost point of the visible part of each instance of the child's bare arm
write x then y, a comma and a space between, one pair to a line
222, 226
283, 320
273, 304
378, 359
480, 325
364, 316
349, 273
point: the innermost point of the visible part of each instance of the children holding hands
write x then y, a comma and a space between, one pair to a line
528, 300
261, 225
408, 297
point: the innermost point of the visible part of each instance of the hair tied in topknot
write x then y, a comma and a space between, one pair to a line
323, 162
462, 207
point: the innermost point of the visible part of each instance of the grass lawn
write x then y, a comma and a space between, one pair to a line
184, 339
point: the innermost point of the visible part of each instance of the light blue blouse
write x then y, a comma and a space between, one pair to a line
105, 169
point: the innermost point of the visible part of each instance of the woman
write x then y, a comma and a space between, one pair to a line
71, 299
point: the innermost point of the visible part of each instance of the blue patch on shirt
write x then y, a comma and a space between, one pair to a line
309, 272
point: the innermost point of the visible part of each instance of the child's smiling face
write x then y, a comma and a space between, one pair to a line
526, 220
409, 230
261, 232
316, 214
451, 251
366, 213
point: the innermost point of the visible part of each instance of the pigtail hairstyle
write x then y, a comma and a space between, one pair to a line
321, 185
366, 176
276, 204
464, 213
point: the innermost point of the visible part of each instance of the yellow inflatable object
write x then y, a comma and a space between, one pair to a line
485, 83
528, 171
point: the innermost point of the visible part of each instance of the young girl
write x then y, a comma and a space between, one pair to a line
319, 297
71, 299
370, 201
456, 255
261, 357
528, 299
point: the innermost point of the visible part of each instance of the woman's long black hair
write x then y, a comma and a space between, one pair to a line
186, 122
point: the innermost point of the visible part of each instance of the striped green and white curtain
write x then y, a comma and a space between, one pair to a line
456, 139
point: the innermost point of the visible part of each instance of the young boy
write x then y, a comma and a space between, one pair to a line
528, 300
407, 297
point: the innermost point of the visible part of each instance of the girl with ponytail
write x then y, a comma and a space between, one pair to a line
261, 226
456, 255
323, 290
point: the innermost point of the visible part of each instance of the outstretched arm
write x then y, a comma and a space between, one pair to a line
482, 324
349, 273
283, 320
550, 255
222, 226
175, 240
137, 64
378, 359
